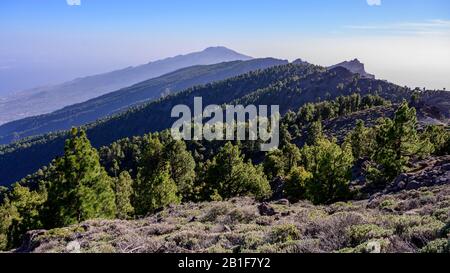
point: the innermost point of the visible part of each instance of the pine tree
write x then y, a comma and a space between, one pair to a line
123, 192
436, 137
155, 191
80, 188
285, 135
228, 176
19, 213
296, 184
396, 141
330, 166
315, 132
155, 187
182, 167
359, 140
165, 191
291, 155
281, 162
274, 164
8, 214
307, 113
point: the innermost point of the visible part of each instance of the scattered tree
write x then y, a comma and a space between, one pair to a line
396, 141
124, 191
80, 188
227, 176
154, 187
359, 139
315, 133
295, 187
182, 168
330, 166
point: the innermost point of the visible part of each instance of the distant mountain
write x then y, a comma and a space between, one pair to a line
355, 66
117, 101
50, 98
290, 86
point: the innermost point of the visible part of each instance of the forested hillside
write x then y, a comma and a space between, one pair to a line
290, 86
222, 152
114, 102
132, 178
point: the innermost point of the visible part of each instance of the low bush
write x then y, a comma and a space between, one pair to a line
284, 233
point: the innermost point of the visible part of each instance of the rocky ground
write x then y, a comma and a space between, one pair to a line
412, 215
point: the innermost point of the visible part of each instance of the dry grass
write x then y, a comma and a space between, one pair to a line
409, 221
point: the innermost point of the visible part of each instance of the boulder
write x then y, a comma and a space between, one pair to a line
73, 247
373, 247
283, 202
266, 210
413, 185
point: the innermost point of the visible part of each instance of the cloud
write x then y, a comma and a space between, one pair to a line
73, 2
374, 2
434, 27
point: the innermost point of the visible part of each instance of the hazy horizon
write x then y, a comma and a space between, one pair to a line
48, 42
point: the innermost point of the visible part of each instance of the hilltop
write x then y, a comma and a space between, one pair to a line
356, 67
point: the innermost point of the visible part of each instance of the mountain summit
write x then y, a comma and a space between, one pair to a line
47, 99
224, 52
355, 66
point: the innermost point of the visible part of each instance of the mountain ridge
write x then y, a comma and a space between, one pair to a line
46, 99
95, 108
291, 86
113, 102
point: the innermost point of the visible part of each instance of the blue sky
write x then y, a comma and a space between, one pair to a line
48, 41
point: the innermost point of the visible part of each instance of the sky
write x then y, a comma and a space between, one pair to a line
50, 41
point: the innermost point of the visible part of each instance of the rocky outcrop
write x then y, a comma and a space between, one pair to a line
429, 172
355, 66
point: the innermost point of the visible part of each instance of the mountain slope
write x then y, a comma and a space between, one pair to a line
85, 112
47, 99
406, 222
290, 86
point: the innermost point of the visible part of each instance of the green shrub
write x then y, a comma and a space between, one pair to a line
445, 231
242, 216
376, 246
253, 240
213, 213
422, 234
362, 233
284, 233
442, 214
268, 248
388, 204
437, 246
